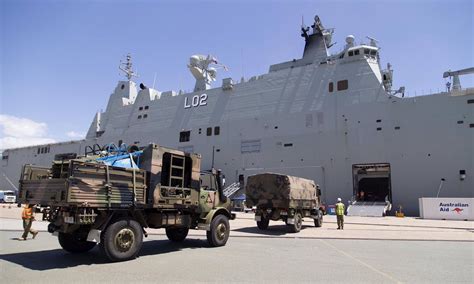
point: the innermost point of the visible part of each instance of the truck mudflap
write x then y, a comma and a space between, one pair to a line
94, 236
290, 221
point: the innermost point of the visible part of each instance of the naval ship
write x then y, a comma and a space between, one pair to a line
333, 118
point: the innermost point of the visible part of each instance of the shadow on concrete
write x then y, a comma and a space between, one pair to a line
273, 230
60, 259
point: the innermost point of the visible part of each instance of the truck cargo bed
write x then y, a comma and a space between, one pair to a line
90, 184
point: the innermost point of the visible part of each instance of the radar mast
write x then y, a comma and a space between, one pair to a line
126, 67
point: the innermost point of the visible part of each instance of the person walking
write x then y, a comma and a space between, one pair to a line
28, 218
340, 209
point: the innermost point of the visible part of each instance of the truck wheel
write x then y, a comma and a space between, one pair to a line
219, 233
73, 244
122, 240
177, 234
318, 222
296, 227
263, 223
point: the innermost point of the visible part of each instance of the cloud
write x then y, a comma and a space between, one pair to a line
74, 134
21, 132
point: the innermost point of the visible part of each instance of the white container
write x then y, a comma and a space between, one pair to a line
446, 208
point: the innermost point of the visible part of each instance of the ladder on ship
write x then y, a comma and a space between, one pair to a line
231, 189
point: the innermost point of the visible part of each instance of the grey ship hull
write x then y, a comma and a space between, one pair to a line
287, 121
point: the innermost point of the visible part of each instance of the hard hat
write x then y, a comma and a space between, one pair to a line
339, 199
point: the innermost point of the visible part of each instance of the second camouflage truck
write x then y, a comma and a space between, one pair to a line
284, 197
112, 199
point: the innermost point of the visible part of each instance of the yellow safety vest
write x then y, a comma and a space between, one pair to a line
340, 208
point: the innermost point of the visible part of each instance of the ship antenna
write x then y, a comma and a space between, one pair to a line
126, 67
304, 29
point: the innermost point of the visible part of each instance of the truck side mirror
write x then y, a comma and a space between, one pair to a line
220, 186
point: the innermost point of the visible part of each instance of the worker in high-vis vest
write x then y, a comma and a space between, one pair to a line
28, 218
340, 209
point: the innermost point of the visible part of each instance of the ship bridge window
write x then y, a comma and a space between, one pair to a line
146, 107
342, 85
331, 87
185, 136
373, 52
351, 53
209, 131
356, 52
139, 117
366, 51
140, 108
145, 115
5, 157
217, 130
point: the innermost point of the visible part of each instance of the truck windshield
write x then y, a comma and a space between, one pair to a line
207, 182
9, 193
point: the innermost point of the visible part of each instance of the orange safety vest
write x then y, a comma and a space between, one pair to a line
27, 213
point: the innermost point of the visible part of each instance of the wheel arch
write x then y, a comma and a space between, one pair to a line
215, 212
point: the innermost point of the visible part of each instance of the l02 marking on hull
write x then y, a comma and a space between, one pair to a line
196, 101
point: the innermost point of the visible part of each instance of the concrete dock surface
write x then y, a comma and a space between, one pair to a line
368, 250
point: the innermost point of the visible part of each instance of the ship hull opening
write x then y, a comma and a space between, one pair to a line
372, 182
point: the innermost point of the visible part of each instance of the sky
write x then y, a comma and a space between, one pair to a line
59, 59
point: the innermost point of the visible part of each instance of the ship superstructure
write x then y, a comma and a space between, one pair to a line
334, 118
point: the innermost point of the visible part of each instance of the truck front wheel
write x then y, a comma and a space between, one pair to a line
263, 223
74, 244
177, 234
219, 232
122, 240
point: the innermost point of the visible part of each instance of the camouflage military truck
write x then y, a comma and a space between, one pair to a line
283, 197
92, 202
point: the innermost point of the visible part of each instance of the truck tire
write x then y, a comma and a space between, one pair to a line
318, 222
296, 227
263, 223
219, 232
73, 244
177, 234
122, 240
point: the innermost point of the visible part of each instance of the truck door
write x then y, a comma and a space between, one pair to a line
208, 192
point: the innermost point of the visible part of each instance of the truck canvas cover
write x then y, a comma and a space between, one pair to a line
277, 190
